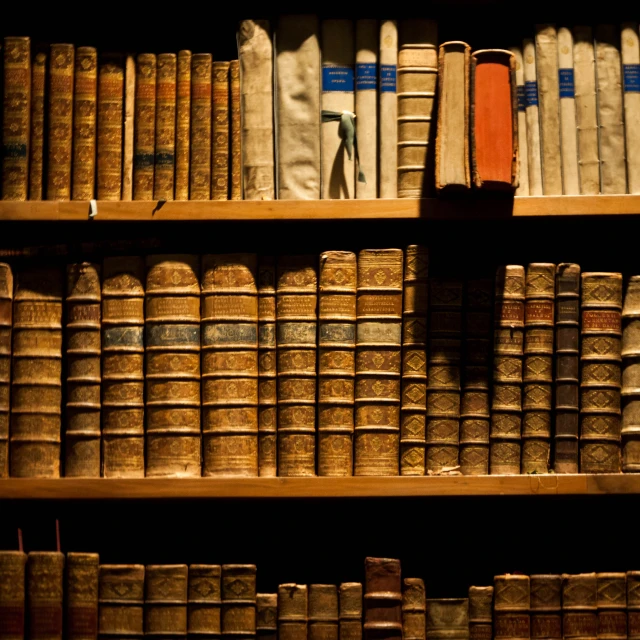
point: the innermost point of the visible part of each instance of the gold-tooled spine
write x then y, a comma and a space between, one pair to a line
414, 609
481, 607
512, 602
165, 152
36, 144
12, 594
220, 126
631, 377
204, 601
82, 596
350, 611
612, 605
201, 76
236, 137
267, 616
145, 126
165, 607
45, 589
323, 612
238, 600
120, 601
579, 606
183, 125
6, 304
293, 612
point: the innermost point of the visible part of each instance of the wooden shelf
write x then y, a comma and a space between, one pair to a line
160, 488
401, 209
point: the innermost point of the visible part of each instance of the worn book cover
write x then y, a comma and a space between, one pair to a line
36, 143
6, 315
220, 132
145, 126
165, 144
183, 124
631, 376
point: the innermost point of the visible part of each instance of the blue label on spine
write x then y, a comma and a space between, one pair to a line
631, 78
366, 76
567, 90
337, 79
522, 100
531, 93
388, 78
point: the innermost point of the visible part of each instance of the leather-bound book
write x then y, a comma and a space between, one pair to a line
452, 141
382, 599
508, 344
6, 308
631, 377
511, 604
293, 611
165, 146
413, 410
448, 619
568, 134
236, 131
546, 607
630, 54
378, 362
296, 311
417, 81
414, 609
494, 120
36, 142
255, 52
12, 595
523, 148
238, 601
350, 614
36, 370
128, 132
579, 607
165, 600
45, 588
85, 112
537, 397
267, 369
480, 613
145, 126
336, 362
81, 589
567, 375
183, 124
388, 107
173, 366
110, 126
532, 110
475, 412
612, 606
323, 612
633, 605
600, 375
443, 403
201, 92
120, 601
15, 122
267, 616
230, 364
220, 132
123, 367
83, 351
204, 601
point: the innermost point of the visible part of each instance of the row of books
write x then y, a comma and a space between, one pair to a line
75, 597
234, 364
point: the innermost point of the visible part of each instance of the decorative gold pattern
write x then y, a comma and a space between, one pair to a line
200, 176
220, 132
183, 125
165, 144
36, 146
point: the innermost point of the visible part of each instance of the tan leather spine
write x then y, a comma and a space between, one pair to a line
630, 54
388, 106
612, 605
350, 614
267, 616
236, 131
323, 612
447, 619
81, 587
523, 165
45, 592
220, 132
12, 595
201, 95
293, 611
480, 613
633, 604
238, 601
165, 148
165, 605
631, 377
6, 315
546, 607
204, 597
579, 606
414, 609
183, 124
128, 134
534, 158
120, 601
511, 604
145, 126
36, 143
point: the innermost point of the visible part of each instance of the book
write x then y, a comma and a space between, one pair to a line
447, 618
366, 105
549, 108
633, 603
413, 409
128, 133
165, 134
81, 588
494, 120
523, 167
534, 159
201, 102
323, 612
600, 373
452, 140
12, 594
630, 377
579, 606
45, 591
568, 133
388, 106
6, 308
220, 131
297, 71
350, 611
172, 351
255, 53
230, 364
85, 112
238, 600
567, 363
546, 606
145, 126
36, 142
165, 602
612, 605
267, 616
123, 367
338, 101
511, 604
630, 55
417, 82
537, 391
480, 613
293, 611
414, 607
378, 362
508, 343
204, 597
16, 87
83, 353
36, 374
236, 132
120, 600
336, 362
183, 124
382, 599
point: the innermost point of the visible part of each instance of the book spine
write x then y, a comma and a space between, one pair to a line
120, 601
204, 601
447, 618
45, 578
36, 144
81, 588
165, 606
537, 396
600, 375
633, 605
612, 606
568, 134
417, 80
201, 96
567, 376
255, 52
508, 342
145, 126
382, 599
546, 607
630, 54
173, 366
123, 367
350, 611
443, 404
267, 369
378, 362
183, 124
414, 609
165, 145
230, 365
128, 139
475, 412
511, 605
631, 377
336, 362
36, 370
388, 106
220, 125
12, 595
414, 362
533, 159
293, 612
579, 607
15, 123
296, 312
6, 306
523, 182
480, 613
238, 601
236, 131
83, 352
267, 616
323, 612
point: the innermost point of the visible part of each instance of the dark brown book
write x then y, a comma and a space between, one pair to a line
45, 588
546, 607
220, 132
165, 147
633, 604
350, 614
36, 143
12, 595
145, 126
631, 377
414, 609
267, 616
612, 606
323, 612
204, 601
6, 315
238, 601
121, 601
382, 599
600, 374
481, 611
165, 600
81, 590
579, 607
447, 619
511, 604
183, 125
293, 611
236, 131
201, 69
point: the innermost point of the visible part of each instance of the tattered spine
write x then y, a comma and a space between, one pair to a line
631, 377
